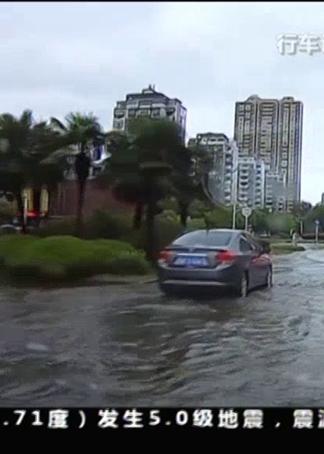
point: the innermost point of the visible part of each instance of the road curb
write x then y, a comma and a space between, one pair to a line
110, 280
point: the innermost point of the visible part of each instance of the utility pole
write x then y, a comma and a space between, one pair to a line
316, 230
246, 211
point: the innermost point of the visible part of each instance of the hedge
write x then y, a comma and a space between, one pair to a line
67, 257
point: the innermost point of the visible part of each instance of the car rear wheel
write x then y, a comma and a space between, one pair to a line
243, 287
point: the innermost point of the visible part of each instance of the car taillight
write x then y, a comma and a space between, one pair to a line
165, 256
226, 256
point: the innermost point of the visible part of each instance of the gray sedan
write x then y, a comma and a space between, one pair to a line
220, 258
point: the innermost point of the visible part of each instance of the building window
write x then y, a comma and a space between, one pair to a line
156, 112
145, 103
119, 113
170, 111
131, 113
118, 124
143, 112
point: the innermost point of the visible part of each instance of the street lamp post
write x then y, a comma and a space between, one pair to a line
234, 215
246, 211
234, 199
316, 230
301, 227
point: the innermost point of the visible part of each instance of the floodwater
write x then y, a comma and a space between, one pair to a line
130, 345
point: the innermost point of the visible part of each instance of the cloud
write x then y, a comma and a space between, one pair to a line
60, 57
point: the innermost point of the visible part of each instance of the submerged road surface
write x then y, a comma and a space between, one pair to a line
122, 346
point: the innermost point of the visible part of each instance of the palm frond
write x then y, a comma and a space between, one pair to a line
26, 118
57, 125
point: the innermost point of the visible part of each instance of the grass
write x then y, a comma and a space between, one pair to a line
61, 258
285, 248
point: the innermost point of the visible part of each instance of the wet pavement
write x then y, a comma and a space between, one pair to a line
122, 346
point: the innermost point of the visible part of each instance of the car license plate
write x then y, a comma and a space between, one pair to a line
191, 261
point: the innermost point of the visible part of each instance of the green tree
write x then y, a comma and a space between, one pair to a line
258, 220
219, 217
202, 165
25, 149
317, 213
141, 168
301, 209
281, 223
81, 132
184, 186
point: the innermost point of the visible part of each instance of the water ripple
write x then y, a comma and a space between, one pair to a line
109, 346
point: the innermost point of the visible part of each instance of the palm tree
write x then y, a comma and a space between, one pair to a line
25, 148
185, 188
81, 132
140, 170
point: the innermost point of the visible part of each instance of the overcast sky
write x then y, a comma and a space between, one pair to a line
62, 57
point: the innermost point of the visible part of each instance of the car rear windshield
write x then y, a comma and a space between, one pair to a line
204, 238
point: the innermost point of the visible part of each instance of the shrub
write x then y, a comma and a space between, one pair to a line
62, 227
198, 208
166, 231
219, 218
196, 224
107, 225
67, 257
112, 247
169, 203
169, 215
101, 224
127, 263
61, 254
13, 245
281, 223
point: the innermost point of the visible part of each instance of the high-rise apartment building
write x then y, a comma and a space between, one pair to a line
290, 147
251, 182
222, 181
150, 104
275, 191
271, 130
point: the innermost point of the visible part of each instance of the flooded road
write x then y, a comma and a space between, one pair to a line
131, 346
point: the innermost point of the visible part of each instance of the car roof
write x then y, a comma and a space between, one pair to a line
234, 231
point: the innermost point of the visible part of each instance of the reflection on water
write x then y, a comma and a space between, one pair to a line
133, 346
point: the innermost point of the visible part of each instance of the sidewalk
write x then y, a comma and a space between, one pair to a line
110, 279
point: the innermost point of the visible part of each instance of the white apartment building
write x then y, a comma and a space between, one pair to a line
152, 104
271, 130
275, 192
251, 182
98, 155
222, 181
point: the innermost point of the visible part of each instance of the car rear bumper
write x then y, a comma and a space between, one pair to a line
223, 277
196, 283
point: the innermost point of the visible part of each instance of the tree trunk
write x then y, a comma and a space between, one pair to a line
137, 220
21, 209
81, 198
183, 213
150, 237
